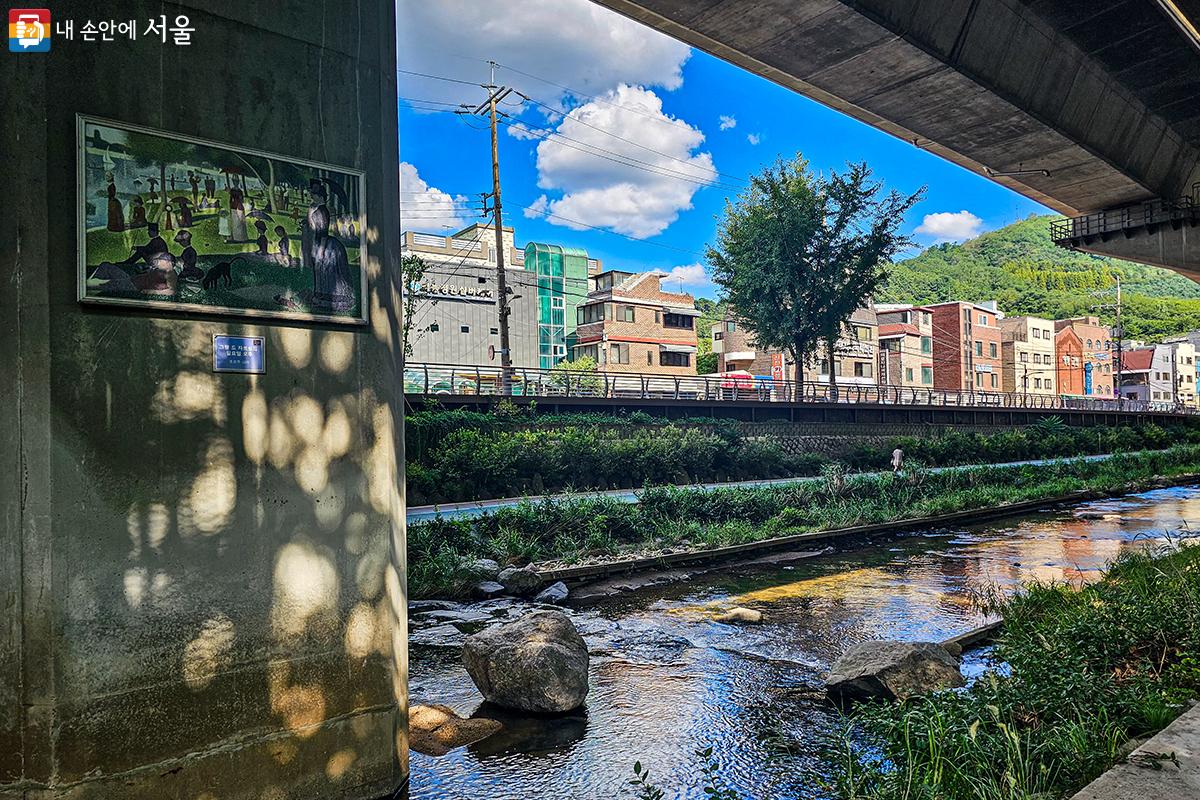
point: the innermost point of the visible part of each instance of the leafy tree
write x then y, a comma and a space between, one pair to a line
150, 150
580, 376
412, 272
798, 252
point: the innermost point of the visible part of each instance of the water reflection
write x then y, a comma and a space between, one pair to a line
667, 678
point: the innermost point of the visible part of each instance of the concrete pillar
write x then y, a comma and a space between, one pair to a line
201, 575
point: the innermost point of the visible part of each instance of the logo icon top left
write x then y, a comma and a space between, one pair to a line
29, 30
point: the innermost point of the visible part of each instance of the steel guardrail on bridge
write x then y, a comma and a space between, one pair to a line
445, 379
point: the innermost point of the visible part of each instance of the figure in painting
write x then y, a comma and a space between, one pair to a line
237, 213
153, 194
194, 180
168, 216
331, 267
189, 271
154, 247
283, 247
210, 187
116, 215
137, 207
264, 246
185, 212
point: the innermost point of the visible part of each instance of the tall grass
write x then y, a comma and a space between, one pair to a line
1087, 670
670, 517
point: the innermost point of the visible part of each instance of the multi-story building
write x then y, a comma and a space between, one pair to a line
1183, 361
905, 346
735, 349
1095, 368
474, 245
1068, 362
558, 277
855, 353
966, 347
1027, 355
1147, 375
455, 319
628, 323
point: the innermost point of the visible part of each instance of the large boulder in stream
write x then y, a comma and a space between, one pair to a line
538, 663
436, 729
893, 670
521, 581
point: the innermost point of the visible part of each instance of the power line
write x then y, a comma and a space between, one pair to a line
436, 77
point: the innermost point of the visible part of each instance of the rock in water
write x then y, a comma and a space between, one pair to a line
740, 614
521, 581
554, 593
538, 663
488, 589
436, 730
895, 670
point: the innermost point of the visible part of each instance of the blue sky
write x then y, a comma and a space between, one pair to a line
681, 129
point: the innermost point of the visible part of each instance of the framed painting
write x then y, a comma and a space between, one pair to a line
182, 224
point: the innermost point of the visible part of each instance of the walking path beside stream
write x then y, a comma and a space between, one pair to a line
477, 508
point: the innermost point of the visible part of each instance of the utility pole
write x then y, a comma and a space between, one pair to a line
1118, 339
495, 95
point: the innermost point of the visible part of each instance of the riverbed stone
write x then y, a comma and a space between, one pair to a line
436, 729
485, 569
521, 581
486, 590
893, 670
538, 663
553, 594
739, 614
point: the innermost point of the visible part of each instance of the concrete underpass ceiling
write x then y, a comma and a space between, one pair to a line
1103, 94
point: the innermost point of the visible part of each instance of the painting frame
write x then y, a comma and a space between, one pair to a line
362, 318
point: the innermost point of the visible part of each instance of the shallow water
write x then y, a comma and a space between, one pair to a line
667, 679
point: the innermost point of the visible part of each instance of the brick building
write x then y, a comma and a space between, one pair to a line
1027, 355
1095, 377
966, 347
905, 346
855, 354
628, 323
1069, 368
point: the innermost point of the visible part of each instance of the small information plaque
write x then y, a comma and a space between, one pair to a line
245, 354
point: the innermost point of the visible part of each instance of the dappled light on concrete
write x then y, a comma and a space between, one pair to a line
306, 590
208, 653
188, 396
336, 352
295, 345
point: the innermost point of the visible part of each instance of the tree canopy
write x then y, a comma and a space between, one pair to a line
798, 252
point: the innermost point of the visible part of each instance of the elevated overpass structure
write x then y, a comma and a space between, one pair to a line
1092, 108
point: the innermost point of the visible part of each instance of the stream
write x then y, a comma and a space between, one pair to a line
668, 679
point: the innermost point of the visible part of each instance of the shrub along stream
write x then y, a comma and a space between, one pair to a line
441, 551
464, 455
1088, 670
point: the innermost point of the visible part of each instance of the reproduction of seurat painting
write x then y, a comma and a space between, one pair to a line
181, 223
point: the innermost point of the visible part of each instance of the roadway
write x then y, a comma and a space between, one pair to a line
477, 508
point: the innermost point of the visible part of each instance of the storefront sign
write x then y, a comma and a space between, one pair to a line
468, 292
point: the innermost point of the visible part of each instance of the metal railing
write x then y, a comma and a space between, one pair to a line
444, 379
1126, 220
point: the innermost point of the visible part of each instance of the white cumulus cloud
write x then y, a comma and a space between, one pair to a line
573, 43
427, 208
950, 226
691, 277
728, 122
648, 184
753, 138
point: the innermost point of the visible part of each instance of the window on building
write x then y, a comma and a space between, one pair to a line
1089, 344
677, 321
979, 379
862, 332
433, 327
1025, 357
650, 357
730, 327
626, 314
862, 369
596, 312
967, 315
1037, 383
927, 376
588, 351
494, 331
979, 348
674, 359
618, 353
926, 345
908, 374
1049, 384
992, 349
983, 319
464, 329
994, 382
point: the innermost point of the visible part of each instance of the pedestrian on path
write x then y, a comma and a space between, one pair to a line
897, 460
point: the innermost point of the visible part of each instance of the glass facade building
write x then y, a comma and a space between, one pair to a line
560, 276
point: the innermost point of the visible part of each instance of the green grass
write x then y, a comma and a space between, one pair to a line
1090, 669
575, 528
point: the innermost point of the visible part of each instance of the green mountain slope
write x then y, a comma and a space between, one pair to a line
1021, 268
